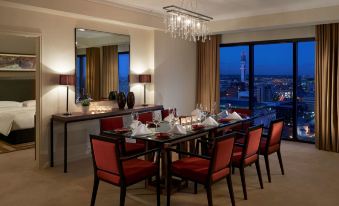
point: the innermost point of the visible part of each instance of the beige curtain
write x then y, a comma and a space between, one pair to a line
110, 71
93, 72
327, 87
208, 89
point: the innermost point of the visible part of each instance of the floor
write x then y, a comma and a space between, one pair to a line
311, 179
6, 147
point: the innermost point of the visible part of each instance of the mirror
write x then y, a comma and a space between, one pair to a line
102, 64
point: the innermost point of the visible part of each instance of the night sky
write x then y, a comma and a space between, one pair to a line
270, 59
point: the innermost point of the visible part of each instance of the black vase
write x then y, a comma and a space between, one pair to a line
113, 95
130, 100
121, 99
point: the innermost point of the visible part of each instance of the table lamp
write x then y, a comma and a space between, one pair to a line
66, 80
144, 79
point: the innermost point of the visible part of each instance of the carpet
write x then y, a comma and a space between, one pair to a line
6, 147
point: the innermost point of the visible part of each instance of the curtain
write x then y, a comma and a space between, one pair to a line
208, 88
110, 71
327, 87
93, 72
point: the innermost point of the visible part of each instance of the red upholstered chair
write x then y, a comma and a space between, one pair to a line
204, 170
248, 153
116, 123
166, 112
146, 117
270, 144
110, 167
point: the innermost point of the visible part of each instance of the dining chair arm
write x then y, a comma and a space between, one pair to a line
188, 153
239, 144
139, 154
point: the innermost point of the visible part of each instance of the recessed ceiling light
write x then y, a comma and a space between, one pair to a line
81, 30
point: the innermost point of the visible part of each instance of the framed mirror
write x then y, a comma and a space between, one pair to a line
102, 64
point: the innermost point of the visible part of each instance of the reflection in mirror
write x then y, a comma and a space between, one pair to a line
102, 64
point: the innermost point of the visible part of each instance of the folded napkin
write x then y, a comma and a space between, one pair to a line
210, 122
169, 118
135, 124
197, 113
234, 115
178, 129
223, 114
141, 130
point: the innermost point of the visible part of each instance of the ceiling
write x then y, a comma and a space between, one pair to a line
228, 9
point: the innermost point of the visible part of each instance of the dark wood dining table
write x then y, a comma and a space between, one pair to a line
207, 132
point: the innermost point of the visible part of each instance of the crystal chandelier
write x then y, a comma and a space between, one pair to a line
186, 24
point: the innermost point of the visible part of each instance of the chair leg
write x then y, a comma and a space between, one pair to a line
230, 189
281, 163
95, 190
267, 163
122, 195
243, 181
158, 188
209, 195
257, 165
168, 189
233, 170
195, 188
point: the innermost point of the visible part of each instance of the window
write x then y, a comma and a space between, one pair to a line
278, 78
273, 82
234, 90
81, 71
124, 72
306, 91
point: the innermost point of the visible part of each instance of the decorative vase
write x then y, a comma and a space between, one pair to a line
85, 109
130, 100
121, 99
113, 95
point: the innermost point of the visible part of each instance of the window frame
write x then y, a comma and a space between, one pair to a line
294, 42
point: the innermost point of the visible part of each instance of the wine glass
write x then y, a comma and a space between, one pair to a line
156, 120
135, 116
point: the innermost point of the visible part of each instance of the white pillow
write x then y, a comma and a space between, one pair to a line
29, 103
10, 104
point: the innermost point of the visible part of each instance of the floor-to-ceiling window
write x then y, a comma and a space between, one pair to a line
234, 81
124, 72
274, 78
273, 82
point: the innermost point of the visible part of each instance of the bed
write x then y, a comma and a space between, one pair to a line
17, 122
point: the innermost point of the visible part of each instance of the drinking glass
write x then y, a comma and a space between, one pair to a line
135, 116
156, 121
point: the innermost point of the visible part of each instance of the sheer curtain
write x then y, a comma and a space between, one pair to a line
93, 72
110, 70
208, 88
327, 87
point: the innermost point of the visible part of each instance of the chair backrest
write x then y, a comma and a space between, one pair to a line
276, 129
252, 141
166, 112
222, 152
146, 117
105, 154
111, 123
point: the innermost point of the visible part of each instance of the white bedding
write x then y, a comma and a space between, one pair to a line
16, 118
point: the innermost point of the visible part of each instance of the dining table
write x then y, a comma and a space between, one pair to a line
207, 133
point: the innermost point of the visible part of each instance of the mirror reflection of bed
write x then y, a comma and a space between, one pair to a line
17, 92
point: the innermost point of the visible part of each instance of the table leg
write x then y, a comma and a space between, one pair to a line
65, 148
52, 144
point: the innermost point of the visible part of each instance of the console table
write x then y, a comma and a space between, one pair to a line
79, 117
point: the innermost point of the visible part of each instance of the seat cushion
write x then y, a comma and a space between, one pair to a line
236, 158
271, 149
135, 170
134, 148
196, 169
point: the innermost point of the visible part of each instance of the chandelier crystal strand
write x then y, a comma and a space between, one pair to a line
186, 24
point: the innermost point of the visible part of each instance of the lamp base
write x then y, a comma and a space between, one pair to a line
67, 114
144, 105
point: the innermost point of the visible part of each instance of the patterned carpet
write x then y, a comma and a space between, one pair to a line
6, 147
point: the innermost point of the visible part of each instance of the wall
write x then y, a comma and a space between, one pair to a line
175, 72
17, 45
57, 46
265, 35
